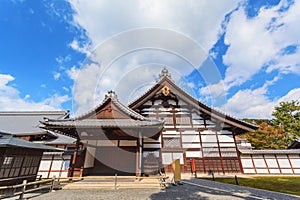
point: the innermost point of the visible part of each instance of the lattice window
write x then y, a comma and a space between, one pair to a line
183, 120
168, 120
172, 142
18, 162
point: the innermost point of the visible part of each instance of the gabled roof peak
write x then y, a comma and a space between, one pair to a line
164, 73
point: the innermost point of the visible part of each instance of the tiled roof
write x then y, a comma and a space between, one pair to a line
3, 134
111, 96
60, 139
18, 143
295, 144
27, 122
283, 151
134, 119
103, 123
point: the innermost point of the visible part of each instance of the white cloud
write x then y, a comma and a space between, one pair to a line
72, 73
102, 19
63, 60
249, 103
215, 90
82, 48
65, 89
85, 80
10, 99
56, 75
256, 42
254, 103
191, 84
253, 43
291, 95
197, 21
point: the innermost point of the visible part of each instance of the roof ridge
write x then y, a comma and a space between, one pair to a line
112, 97
34, 112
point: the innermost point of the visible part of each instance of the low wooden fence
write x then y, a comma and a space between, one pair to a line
27, 187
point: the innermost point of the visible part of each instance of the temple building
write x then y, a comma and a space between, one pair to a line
162, 125
145, 137
192, 130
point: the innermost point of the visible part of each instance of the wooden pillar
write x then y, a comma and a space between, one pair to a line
266, 163
254, 167
201, 148
141, 154
174, 117
290, 163
50, 167
138, 159
238, 153
220, 154
278, 164
74, 158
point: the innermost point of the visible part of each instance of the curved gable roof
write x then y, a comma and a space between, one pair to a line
110, 113
165, 79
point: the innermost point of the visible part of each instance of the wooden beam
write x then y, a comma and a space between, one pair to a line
278, 164
221, 159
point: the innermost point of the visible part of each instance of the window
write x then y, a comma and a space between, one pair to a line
18, 162
172, 142
7, 162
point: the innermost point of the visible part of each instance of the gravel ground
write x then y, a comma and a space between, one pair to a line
191, 189
173, 192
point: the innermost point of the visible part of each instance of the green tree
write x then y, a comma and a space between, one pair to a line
287, 114
267, 137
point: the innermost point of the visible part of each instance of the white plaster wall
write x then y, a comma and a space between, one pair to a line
193, 154
272, 163
272, 167
189, 145
190, 138
45, 164
225, 138
168, 158
295, 162
284, 163
59, 163
152, 145
247, 163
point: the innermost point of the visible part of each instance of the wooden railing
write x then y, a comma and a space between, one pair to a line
27, 187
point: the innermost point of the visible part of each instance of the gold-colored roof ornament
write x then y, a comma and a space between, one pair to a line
165, 90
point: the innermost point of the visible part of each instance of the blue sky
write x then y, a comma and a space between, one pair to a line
239, 56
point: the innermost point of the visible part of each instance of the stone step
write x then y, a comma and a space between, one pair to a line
109, 186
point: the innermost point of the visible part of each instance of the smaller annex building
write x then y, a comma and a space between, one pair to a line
115, 139
20, 159
25, 125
